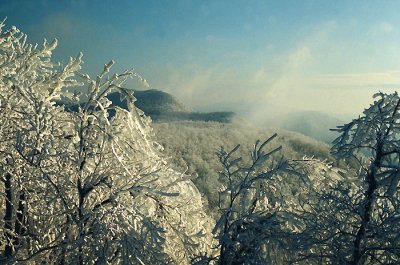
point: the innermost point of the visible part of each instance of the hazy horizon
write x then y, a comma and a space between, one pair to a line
256, 58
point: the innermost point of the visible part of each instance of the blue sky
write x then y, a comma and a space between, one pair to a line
258, 58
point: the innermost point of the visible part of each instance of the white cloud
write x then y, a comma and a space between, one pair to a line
302, 81
202, 87
297, 60
298, 80
382, 27
386, 27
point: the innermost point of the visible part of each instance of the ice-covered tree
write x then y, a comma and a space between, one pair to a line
325, 210
374, 140
355, 220
82, 187
253, 223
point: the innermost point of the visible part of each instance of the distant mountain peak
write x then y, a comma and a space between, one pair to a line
157, 101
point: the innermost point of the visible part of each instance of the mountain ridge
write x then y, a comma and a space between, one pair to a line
164, 107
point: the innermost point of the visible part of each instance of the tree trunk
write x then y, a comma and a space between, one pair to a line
8, 225
368, 207
21, 219
81, 225
83, 193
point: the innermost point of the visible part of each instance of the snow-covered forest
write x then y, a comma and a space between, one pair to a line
101, 184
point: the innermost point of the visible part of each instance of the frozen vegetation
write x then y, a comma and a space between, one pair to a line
85, 181
191, 147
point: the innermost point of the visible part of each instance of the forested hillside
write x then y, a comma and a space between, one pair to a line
192, 147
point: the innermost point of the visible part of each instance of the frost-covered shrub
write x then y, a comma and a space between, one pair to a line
82, 187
